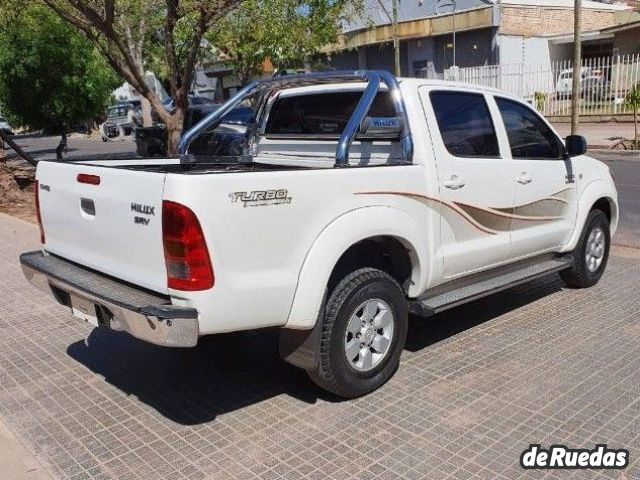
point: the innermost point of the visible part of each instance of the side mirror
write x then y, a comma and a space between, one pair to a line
576, 145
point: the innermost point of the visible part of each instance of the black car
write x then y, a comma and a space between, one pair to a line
228, 139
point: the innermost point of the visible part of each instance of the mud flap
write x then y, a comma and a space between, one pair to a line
300, 347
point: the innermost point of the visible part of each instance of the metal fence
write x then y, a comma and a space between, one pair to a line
604, 83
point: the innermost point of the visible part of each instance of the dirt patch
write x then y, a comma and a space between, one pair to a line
15, 201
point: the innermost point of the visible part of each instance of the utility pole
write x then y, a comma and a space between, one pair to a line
393, 19
453, 25
453, 19
396, 37
577, 64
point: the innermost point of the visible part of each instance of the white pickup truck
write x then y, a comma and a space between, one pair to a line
361, 199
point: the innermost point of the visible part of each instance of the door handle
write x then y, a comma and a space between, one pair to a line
454, 183
524, 178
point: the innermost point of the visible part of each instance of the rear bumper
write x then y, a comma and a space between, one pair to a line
120, 306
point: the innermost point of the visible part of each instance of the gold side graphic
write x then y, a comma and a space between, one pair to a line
495, 220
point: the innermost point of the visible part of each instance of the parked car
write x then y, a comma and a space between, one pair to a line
5, 126
227, 139
593, 83
365, 198
152, 141
122, 119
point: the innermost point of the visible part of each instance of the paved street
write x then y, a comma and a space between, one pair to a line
43, 147
626, 169
476, 386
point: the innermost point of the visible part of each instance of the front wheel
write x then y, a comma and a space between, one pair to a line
364, 327
591, 253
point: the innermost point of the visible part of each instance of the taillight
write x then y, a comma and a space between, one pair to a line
185, 250
38, 215
88, 179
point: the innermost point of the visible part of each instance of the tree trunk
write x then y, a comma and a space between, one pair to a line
636, 140
62, 146
174, 132
147, 119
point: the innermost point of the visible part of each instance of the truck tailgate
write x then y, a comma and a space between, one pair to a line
114, 227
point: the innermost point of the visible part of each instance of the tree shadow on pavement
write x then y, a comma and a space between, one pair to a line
227, 372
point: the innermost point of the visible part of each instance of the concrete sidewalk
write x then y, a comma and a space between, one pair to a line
599, 135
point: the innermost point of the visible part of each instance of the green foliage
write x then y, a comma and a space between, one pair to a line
50, 77
288, 32
540, 99
632, 102
135, 35
632, 99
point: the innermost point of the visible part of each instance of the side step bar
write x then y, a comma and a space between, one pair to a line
479, 285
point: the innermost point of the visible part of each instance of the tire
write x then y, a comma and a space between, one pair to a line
366, 295
587, 270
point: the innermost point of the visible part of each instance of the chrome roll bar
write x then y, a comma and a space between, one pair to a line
373, 78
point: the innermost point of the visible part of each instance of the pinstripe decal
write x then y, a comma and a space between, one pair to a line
471, 213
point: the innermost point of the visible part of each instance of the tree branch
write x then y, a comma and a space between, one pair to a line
16, 148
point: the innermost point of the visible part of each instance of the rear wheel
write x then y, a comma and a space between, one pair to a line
591, 254
364, 327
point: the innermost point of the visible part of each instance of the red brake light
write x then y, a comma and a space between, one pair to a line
38, 215
88, 179
185, 250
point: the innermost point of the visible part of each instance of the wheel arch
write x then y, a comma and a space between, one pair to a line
342, 244
597, 195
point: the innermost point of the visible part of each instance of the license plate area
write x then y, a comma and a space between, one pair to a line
84, 310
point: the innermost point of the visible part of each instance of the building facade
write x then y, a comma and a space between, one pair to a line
487, 32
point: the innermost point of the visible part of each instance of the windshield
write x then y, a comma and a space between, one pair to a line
114, 112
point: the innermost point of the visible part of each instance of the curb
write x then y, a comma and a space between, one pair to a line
603, 150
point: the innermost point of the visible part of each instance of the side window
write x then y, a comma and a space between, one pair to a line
465, 124
529, 136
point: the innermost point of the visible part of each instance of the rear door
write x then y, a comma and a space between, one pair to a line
476, 184
108, 219
545, 205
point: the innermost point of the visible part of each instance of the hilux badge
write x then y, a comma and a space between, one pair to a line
143, 209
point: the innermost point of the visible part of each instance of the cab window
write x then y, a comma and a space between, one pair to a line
323, 114
465, 124
529, 136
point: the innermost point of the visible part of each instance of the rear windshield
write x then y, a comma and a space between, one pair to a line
321, 113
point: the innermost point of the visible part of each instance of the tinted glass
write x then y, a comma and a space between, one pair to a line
324, 114
240, 116
529, 136
465, 124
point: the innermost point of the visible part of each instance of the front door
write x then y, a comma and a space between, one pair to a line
545, 205
477, 186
